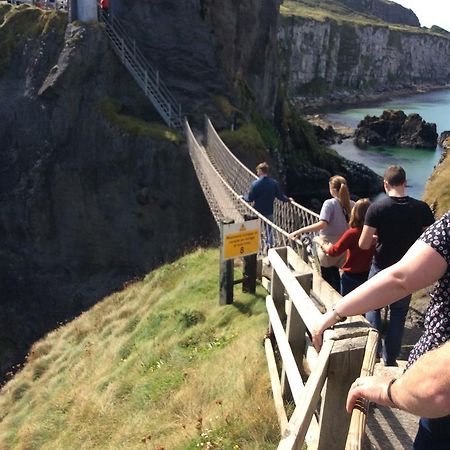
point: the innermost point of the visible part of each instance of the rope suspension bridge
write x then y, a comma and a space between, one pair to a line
223, 178
298, 294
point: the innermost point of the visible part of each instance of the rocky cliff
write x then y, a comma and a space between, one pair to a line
206, 48
93, 190
336, 60
85, 203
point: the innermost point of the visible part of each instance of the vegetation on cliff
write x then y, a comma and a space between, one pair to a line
339, 12
157, 365
21, 23
437, 191
113, 111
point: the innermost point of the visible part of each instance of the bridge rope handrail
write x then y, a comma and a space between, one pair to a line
219, 192
289, 216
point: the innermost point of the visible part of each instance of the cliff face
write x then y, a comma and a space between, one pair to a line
84, 205
206, 48
327, 59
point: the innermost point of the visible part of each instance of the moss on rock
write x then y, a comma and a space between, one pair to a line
111, 109
22, 23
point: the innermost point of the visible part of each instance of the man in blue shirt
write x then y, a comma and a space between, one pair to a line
263, 192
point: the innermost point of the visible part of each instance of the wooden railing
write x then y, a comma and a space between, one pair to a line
317, 384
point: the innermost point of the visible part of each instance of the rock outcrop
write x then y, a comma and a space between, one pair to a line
444, 140
328, 135
396, 129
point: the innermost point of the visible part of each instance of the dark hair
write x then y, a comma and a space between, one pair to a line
263, 167
395, 175
359, 213
339, 184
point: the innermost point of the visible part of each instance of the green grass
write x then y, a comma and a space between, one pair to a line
157, 365
325, 10
247, 139
112, 110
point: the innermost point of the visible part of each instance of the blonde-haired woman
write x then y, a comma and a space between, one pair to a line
355, 270
333, 222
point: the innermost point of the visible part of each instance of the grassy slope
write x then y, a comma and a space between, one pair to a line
437, 192
157, 365
321, 11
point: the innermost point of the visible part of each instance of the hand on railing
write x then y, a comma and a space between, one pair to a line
375, 389
327, 320
293, 235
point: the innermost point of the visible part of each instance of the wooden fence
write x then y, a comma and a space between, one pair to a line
316, 385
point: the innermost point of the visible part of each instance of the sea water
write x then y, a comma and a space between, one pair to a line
418, 163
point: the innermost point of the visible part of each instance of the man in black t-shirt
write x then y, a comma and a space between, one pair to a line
397, 220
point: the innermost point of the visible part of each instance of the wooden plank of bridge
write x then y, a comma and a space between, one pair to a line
344, 367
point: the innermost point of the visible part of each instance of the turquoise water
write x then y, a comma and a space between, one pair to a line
419, 164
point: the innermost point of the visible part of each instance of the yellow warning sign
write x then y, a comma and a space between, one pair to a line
241, 239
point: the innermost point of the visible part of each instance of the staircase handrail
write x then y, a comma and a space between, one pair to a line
142, 71
116, 24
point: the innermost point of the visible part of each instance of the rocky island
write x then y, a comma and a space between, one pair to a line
396, 129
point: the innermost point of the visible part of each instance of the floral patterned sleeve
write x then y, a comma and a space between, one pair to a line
437, 236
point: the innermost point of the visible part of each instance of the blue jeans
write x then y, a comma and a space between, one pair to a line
433, 434
397, 317
331, 276
350, 281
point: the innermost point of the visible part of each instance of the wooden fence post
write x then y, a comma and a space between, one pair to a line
343, 368
226, 271
249, 274
249, 268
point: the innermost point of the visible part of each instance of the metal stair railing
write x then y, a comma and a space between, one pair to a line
143, 73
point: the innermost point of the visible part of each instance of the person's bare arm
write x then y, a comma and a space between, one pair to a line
420, 267
320, 225
366, 238
424, 389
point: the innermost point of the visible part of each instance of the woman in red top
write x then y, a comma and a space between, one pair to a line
357, 265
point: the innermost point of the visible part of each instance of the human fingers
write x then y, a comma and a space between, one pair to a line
317, 339
354, 393
372, 388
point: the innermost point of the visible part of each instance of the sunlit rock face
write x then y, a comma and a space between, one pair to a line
336, 61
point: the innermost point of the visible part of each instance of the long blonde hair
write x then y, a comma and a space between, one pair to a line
359, 213
339, 184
